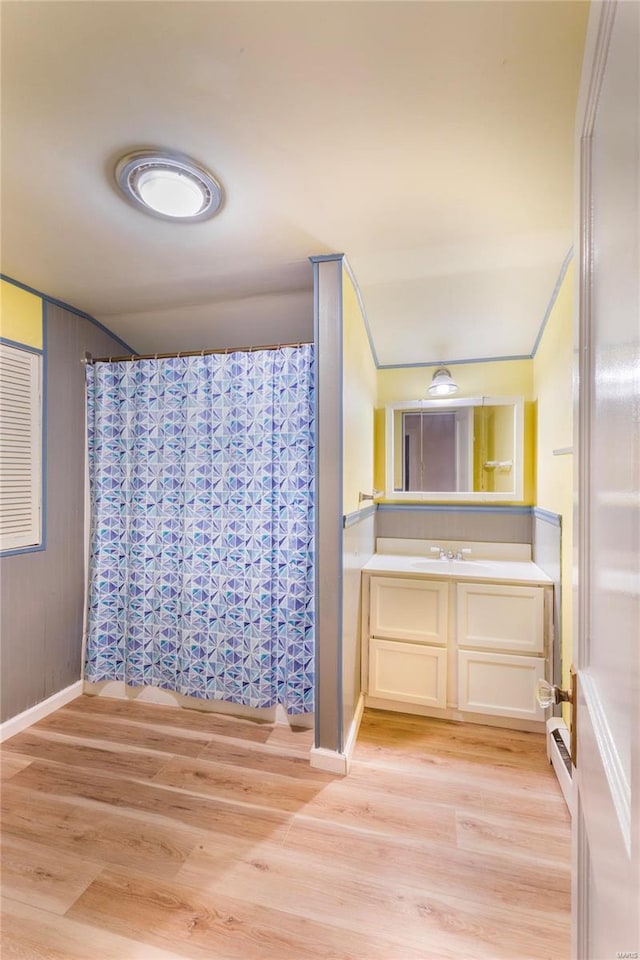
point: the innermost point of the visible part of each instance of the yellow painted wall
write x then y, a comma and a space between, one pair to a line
553, 392
359, 400
502, 447
20, 315
498, 378
504, 378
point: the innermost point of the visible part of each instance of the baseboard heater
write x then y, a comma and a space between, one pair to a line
560, 757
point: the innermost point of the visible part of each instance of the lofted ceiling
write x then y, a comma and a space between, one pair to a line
432, 142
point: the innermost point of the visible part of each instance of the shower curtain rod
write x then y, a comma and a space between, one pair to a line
192, 353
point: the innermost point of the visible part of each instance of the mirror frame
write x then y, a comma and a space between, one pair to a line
516, 495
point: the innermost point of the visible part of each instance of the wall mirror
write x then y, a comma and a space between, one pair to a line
467, 449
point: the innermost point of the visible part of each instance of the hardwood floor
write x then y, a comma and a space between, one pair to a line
136, 831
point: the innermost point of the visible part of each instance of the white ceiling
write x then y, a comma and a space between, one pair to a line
429, 141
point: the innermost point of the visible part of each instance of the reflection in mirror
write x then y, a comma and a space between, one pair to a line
455, 449
436, 450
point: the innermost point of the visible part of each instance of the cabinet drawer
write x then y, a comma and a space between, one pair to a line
499, 684
409, 609
501, 617
408, 672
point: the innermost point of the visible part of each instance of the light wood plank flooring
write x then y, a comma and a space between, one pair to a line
136, 831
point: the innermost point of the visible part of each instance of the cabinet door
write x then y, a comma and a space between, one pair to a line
499, 684
408, 672
494, 616
409, 609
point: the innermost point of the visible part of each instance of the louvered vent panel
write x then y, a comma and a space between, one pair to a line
20, 448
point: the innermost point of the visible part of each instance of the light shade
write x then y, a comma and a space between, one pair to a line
442, 384
168, 185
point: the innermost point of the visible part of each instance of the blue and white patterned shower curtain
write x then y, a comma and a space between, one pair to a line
202, 476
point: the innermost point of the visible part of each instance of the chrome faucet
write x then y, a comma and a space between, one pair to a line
449, 554
442, 554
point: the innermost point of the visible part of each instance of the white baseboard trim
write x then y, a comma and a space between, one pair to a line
332, 761
23, 720
556, 760
352, 736
452, 713
336, 761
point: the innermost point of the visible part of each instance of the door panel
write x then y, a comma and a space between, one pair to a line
494, 616
499, 684
408, 672
607, 822
409, 609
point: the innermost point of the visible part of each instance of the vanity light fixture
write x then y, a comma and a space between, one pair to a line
442, 384
168, 185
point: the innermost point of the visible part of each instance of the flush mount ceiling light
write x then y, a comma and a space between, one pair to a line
442, 384
168, 185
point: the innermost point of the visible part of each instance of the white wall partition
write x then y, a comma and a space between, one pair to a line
346, 395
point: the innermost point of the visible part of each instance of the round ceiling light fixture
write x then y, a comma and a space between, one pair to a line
168, 185
442, 383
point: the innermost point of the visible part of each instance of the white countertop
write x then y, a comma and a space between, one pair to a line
512, 571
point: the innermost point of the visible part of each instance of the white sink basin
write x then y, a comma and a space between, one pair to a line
471, 567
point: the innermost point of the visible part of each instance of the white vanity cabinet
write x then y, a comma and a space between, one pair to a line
409, 609
500, 616
501, 644
408, 672
454, 646
408, 627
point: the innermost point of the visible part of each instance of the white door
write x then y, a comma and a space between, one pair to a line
606, 899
